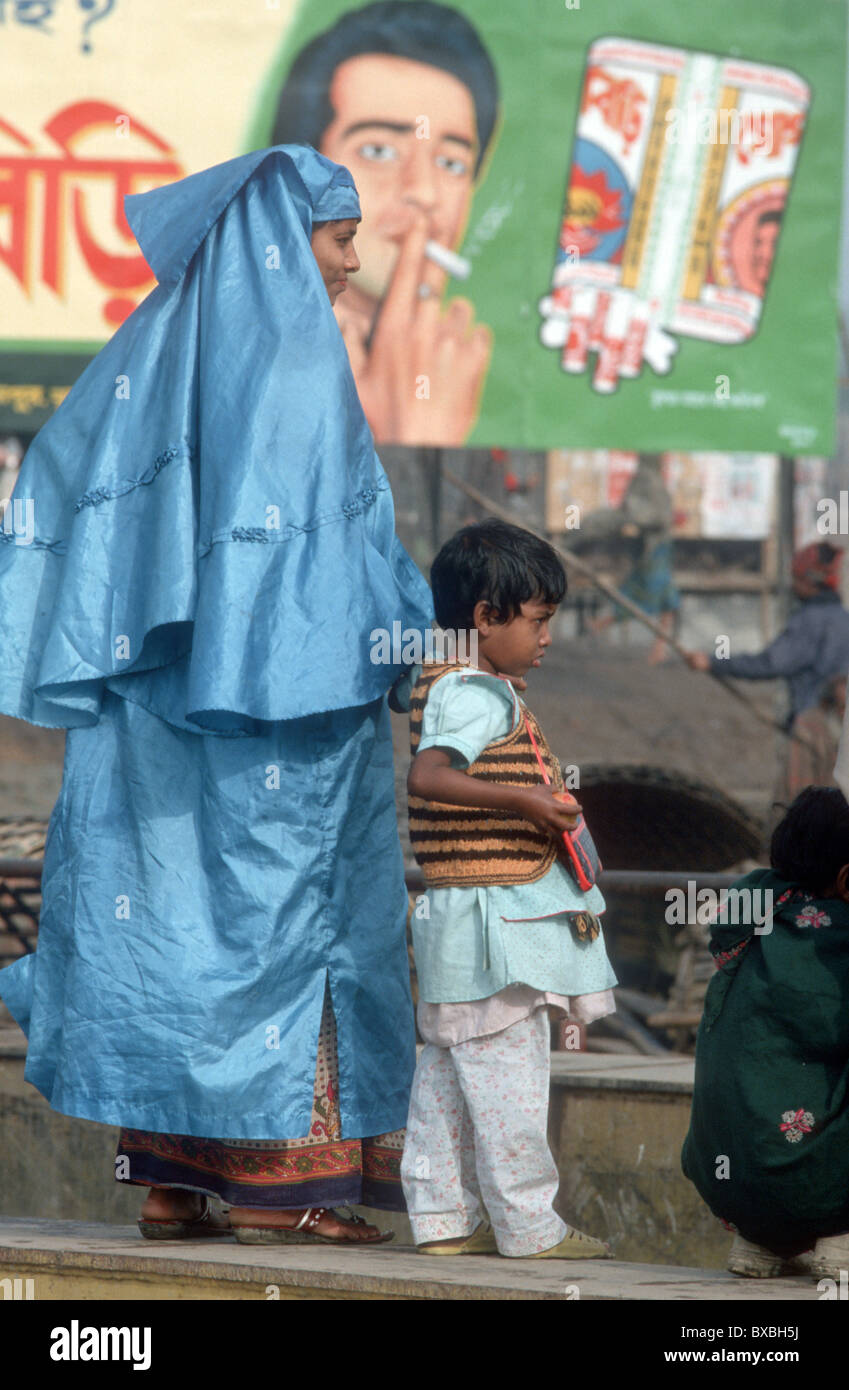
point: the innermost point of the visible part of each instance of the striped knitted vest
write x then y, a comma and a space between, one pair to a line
463, 846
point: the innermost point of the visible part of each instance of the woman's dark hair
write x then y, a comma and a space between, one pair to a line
415, 29
811, 844
496, 562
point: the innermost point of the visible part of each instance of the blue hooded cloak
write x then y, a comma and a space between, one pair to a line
213, 545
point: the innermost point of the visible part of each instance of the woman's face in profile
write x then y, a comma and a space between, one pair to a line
333, 247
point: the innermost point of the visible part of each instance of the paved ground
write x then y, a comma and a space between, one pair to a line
68, 1259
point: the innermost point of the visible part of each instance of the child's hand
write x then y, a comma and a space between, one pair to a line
551, 810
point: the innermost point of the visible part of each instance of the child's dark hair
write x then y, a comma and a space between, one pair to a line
499, 563
811, 844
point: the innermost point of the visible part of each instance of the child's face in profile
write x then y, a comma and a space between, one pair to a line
514, 646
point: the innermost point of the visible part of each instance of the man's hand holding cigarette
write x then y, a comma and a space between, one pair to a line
421, 377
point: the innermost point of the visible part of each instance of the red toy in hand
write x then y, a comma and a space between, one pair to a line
579, 852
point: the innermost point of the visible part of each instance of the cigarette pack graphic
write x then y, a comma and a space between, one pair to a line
680, 173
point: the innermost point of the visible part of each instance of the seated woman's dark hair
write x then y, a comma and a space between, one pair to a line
493, 561
811, 844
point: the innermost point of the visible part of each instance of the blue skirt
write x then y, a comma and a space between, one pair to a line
199, 895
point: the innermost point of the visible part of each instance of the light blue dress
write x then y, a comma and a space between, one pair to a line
471, 943
214, 545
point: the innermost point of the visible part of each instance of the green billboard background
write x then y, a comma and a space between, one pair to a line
539, 49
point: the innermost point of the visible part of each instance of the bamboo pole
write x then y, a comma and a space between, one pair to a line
580, 566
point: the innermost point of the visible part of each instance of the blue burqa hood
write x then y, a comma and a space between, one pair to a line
213, 531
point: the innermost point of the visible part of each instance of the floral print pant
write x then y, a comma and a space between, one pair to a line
477, 1137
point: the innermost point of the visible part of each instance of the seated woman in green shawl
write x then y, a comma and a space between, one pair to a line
768, 1146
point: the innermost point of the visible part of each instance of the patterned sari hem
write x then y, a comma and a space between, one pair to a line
320, 1169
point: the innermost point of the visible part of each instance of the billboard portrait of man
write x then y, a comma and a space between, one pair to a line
405, 95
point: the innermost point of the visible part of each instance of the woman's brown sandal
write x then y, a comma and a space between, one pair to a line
304, 1233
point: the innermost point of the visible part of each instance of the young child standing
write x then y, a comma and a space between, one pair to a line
507, 932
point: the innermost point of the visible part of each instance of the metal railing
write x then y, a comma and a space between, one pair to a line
20, 895
20, 904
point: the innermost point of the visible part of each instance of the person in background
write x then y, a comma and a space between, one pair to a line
812, 763
811, 655
645, 516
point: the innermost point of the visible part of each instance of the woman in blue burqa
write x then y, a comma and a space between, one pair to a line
221, 966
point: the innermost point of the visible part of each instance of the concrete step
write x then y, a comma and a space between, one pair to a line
616, 1126
86, 1261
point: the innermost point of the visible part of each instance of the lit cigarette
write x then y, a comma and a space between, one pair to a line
456, 265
